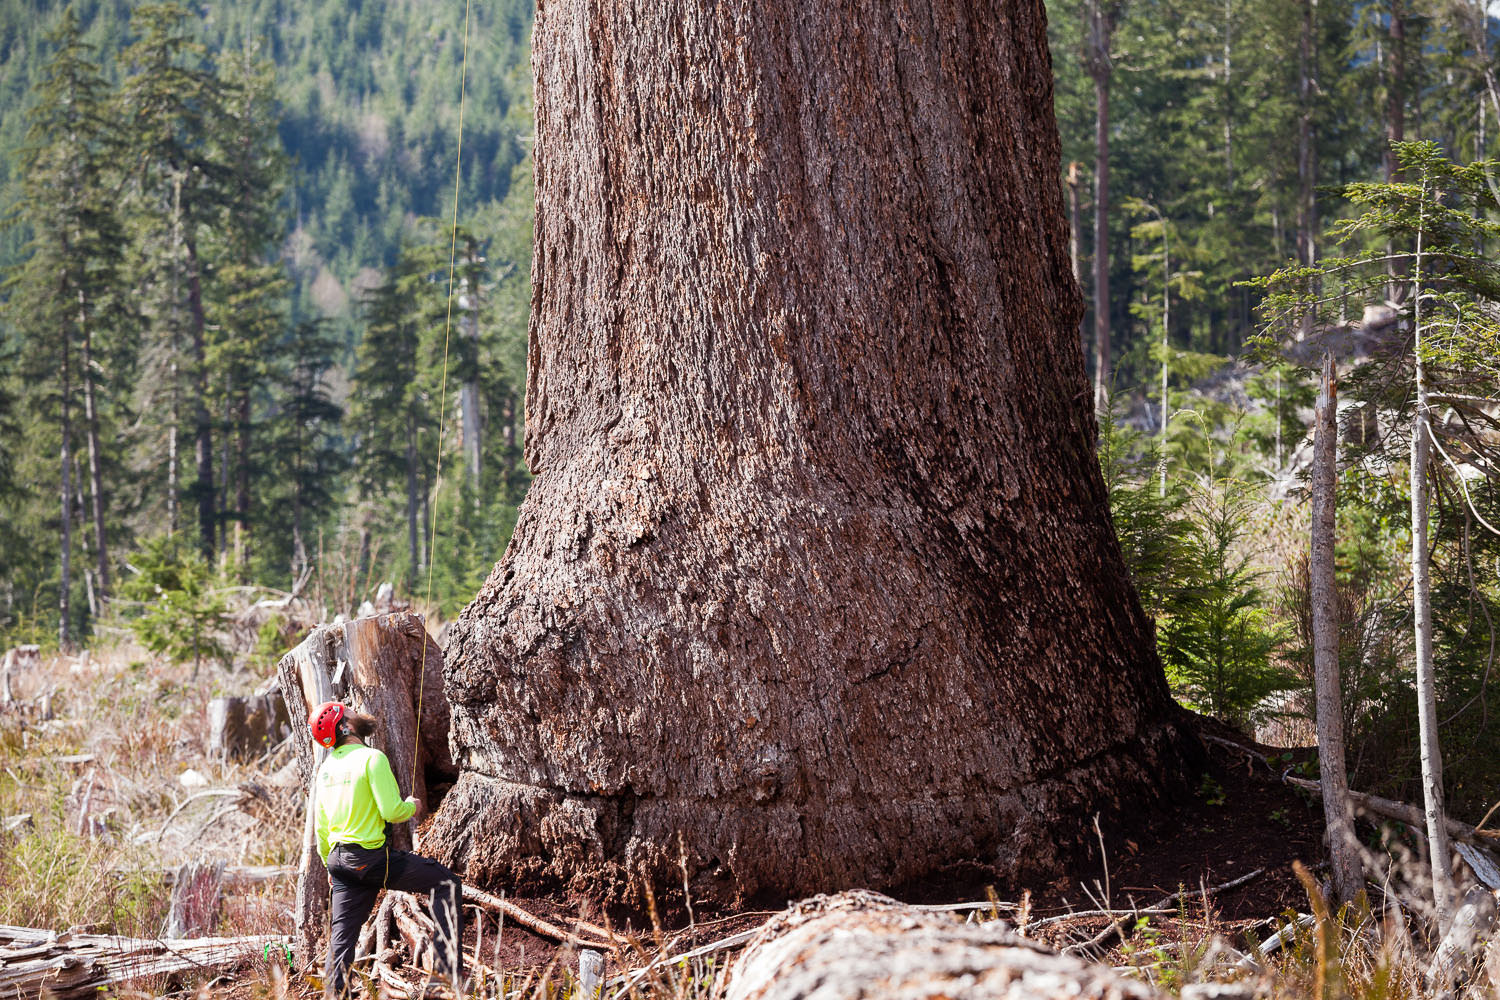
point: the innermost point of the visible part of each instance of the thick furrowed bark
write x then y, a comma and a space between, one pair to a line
817, 570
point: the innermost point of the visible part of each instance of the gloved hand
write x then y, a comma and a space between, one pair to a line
412, 799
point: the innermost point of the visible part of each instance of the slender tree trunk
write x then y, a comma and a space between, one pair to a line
174, 461
1075, 237
1395, 123
811, 433
65, 426
203, 441
1166, 350
1307, 163
1348, 870
413, 549
1395, 88
1229, 101
508, 432
1421, 586
469, 394
242, 474
96, 463
1100, 68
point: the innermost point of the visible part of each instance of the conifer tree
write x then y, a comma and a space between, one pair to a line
171, 104
1434, 383
302, 464
391, 402
248, 288
66, 297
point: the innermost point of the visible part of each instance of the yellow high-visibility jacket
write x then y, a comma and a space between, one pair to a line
357, 797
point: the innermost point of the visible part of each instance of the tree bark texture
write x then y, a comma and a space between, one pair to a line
377, 666
860, 944
817, 571
1343, 847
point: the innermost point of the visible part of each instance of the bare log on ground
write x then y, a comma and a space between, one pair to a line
534, 923
72, 966
1404, 812
873, 946
385, 667
812, 439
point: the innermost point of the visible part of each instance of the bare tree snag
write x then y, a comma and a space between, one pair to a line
1348, 871
196, 898
816, 584
873, 946
376, 666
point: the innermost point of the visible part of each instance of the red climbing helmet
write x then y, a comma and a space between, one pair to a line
324, 721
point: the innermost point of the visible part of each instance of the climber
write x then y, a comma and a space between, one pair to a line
356, 795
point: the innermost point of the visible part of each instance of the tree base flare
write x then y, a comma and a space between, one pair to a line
534, 839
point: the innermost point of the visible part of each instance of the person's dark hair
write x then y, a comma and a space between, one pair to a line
355, 724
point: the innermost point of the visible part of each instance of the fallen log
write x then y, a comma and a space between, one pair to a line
532, 922
873, 946
1403, 812
71, 966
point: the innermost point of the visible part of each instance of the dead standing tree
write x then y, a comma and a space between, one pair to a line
816, 585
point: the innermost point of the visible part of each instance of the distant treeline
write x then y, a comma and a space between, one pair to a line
1233, 126
163, 368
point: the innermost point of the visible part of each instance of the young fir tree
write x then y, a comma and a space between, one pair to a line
1432, 384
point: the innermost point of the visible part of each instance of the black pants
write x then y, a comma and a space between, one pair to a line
357, 874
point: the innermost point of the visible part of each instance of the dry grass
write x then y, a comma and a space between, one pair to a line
100, 779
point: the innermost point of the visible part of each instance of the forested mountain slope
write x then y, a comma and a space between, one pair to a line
228, 324
368, 96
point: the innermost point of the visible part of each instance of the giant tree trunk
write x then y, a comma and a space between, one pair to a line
817, 572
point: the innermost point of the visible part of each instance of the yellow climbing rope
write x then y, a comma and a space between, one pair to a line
437, 479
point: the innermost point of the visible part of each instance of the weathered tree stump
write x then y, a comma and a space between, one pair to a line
376, 666
240, 727
195, 899
861, 944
